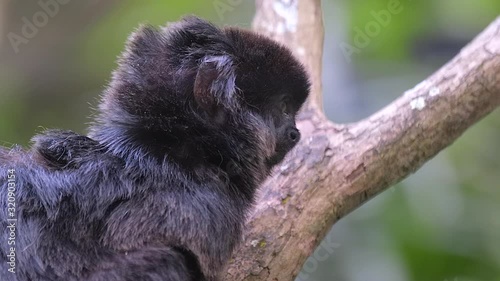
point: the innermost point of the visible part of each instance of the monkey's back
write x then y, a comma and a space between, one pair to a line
81, 211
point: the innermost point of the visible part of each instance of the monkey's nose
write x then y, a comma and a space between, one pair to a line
293, 135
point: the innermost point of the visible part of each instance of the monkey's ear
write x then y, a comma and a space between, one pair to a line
207, 74
214, 86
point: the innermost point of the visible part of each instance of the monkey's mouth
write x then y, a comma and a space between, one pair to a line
277, 157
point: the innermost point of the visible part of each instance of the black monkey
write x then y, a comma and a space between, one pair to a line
192, 123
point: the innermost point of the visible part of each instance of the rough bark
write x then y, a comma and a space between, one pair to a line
336, 168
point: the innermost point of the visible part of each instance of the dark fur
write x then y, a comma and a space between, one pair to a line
192, 123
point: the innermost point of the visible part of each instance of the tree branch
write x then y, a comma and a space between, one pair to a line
336, 168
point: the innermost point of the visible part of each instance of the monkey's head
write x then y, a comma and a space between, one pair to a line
196, 93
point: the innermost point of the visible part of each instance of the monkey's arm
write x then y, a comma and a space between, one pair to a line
149, 264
